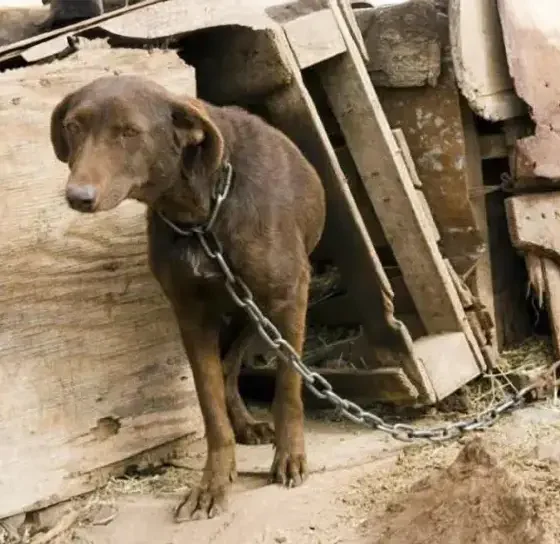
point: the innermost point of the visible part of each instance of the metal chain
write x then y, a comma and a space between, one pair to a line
317, 383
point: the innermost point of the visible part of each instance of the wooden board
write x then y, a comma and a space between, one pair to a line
20, 23
551, 272
479, 59
431, 119
532, 43
314, 38
534, 223
413, 174
480, 279
91, 363
9, 50
391, 190
534, 226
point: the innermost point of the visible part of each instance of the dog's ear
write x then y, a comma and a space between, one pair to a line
58, 134
197, 134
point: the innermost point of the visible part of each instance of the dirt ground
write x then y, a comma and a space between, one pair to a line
494, 487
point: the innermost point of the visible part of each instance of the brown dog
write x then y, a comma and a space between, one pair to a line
127, 137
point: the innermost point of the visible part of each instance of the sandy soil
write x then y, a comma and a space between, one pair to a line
500, 486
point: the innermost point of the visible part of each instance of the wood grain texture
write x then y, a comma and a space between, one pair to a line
92, 367
531, 36
479, 59
534, 223
391, 190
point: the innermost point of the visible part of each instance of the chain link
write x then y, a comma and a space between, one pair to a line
318, 384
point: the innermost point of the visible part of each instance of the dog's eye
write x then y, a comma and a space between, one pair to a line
72, 127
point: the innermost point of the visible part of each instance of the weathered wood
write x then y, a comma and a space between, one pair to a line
90, 359
402, 42
431, 119
8, 50
20, 23
534, 223
480, 61
356, 106
449, 360
392, 193
532, 42
360, 196
383, 384
314, 38
551, 272
400, 138
480, 278
410, 166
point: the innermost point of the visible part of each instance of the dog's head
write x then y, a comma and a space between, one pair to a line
127, 137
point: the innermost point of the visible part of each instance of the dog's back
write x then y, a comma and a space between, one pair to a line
275, 168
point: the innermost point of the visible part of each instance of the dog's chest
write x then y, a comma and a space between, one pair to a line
189, 257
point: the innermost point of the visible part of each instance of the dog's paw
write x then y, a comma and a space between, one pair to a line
289, 468
254, 434
209, 498
202, 502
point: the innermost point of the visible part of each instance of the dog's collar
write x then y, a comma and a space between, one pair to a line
219, 194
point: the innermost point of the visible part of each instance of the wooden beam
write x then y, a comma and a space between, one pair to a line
479, 59
6, 50
314, 38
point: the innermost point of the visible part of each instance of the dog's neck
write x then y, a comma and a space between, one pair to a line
190, 203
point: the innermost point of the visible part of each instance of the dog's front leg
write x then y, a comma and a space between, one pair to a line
200, 337
290, 462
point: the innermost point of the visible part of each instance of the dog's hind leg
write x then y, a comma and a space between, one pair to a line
246, 428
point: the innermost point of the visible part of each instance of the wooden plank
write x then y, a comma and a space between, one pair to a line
413, 175
534, 223
17, 24
479, 59
532, 45
551, 272
70, 29
480, 280
431, 119
362, 386
360, 195
314, 38
91, 361
386, 179
356, 106
176, 18
402, 42
400, 138
449, 359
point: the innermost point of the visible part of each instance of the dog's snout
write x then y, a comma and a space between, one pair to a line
81, 197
